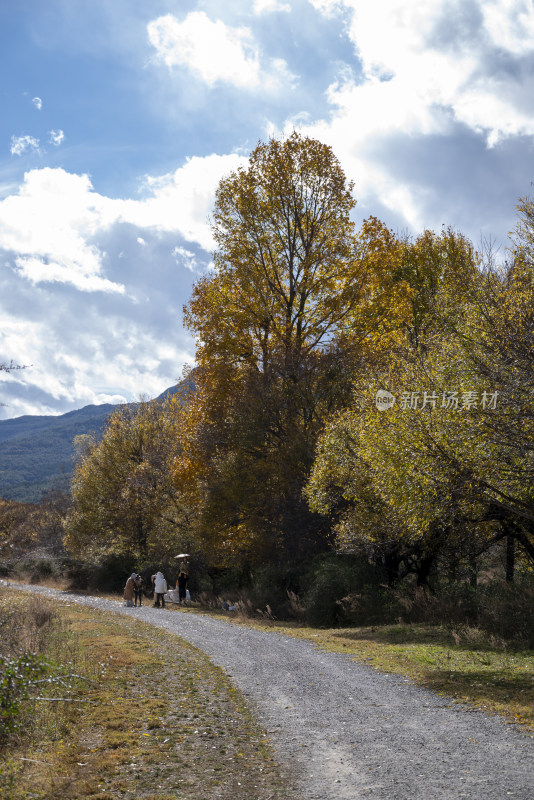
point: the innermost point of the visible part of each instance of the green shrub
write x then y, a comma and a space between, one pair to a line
453, 604
269, 590
497, 608
107, 575
34, 566
19, 678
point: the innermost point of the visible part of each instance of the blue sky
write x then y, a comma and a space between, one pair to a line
119, 119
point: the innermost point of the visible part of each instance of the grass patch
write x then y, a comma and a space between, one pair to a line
148, 717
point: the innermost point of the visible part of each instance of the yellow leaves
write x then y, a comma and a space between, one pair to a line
122, 486
284, 256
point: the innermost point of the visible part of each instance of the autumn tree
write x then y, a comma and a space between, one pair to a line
453, 456
284, 265
19, 532
384, 476
488, 355
123, 496
273, 321
497, 340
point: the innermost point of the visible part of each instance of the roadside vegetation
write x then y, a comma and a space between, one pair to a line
111, 708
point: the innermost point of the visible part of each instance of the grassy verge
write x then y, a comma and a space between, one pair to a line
464, 664
148, 716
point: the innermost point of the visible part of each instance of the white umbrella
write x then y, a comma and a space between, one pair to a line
182, 555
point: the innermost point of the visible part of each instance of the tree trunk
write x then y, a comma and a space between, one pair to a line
473, 571
423, 570
510, 558
392, 564
141, 537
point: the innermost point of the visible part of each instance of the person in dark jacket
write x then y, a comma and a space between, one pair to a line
138, 590
183, 579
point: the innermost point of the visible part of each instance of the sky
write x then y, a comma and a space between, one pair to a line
118, 119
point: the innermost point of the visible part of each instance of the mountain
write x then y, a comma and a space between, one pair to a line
37, 453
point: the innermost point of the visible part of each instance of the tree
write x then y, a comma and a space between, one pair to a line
293, 290
390, 479
18, 529
123, 496
285, 263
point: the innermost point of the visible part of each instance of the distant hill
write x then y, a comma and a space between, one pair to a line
37, 453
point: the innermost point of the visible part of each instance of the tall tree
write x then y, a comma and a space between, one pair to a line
273, 322
285, 264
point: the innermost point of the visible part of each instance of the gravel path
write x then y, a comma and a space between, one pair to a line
343, 731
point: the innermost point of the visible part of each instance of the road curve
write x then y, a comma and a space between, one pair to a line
343, 731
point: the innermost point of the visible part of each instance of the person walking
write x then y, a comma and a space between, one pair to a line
160, 588
129, 590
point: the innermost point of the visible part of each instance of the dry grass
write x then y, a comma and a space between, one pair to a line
156, 721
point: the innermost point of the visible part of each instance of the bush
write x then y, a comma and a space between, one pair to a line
269, 590
507, 610
18, 680
345, 590
497, 608
35, 566
452, 604
107, 575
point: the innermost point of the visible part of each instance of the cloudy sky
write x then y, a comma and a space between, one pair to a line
119, 117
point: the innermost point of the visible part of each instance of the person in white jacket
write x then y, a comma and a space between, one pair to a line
160, 587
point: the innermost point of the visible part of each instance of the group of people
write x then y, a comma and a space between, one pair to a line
133, 590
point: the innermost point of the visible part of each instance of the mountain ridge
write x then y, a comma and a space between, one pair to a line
37, 452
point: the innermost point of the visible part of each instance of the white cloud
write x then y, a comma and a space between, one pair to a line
38, 270
51, 224
56, 137
421, 58
328, 7
269, 6
186, 258
99, 362
181, 201
215, 51
426, 69
38, 103
20, 144
510, 24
